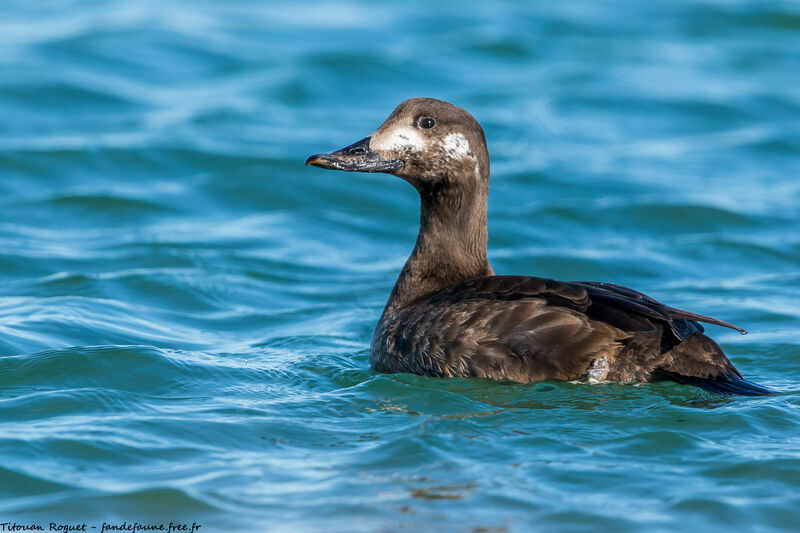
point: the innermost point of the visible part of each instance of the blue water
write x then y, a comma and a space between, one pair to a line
186, 310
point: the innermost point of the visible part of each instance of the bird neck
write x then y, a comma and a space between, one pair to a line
451, 244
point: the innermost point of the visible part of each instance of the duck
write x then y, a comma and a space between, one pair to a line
449, 315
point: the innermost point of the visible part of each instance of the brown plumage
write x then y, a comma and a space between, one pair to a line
448, 315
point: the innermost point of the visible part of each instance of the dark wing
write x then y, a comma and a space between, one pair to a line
658, 341
615, 305
511, 327
504, 328
683, 323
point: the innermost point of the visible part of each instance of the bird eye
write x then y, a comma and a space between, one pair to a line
427, 123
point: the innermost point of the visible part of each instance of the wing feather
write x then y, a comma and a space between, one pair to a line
524, 328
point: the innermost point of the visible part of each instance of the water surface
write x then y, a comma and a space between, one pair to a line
186, 310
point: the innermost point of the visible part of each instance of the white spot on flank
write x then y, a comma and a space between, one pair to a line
456, 145
397, 139
598, 370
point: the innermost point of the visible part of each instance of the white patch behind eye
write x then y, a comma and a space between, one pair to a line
456, 145
397, 139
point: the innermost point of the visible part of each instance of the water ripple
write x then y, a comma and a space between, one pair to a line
186, 310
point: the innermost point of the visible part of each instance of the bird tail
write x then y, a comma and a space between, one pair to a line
699, 361
724, 385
